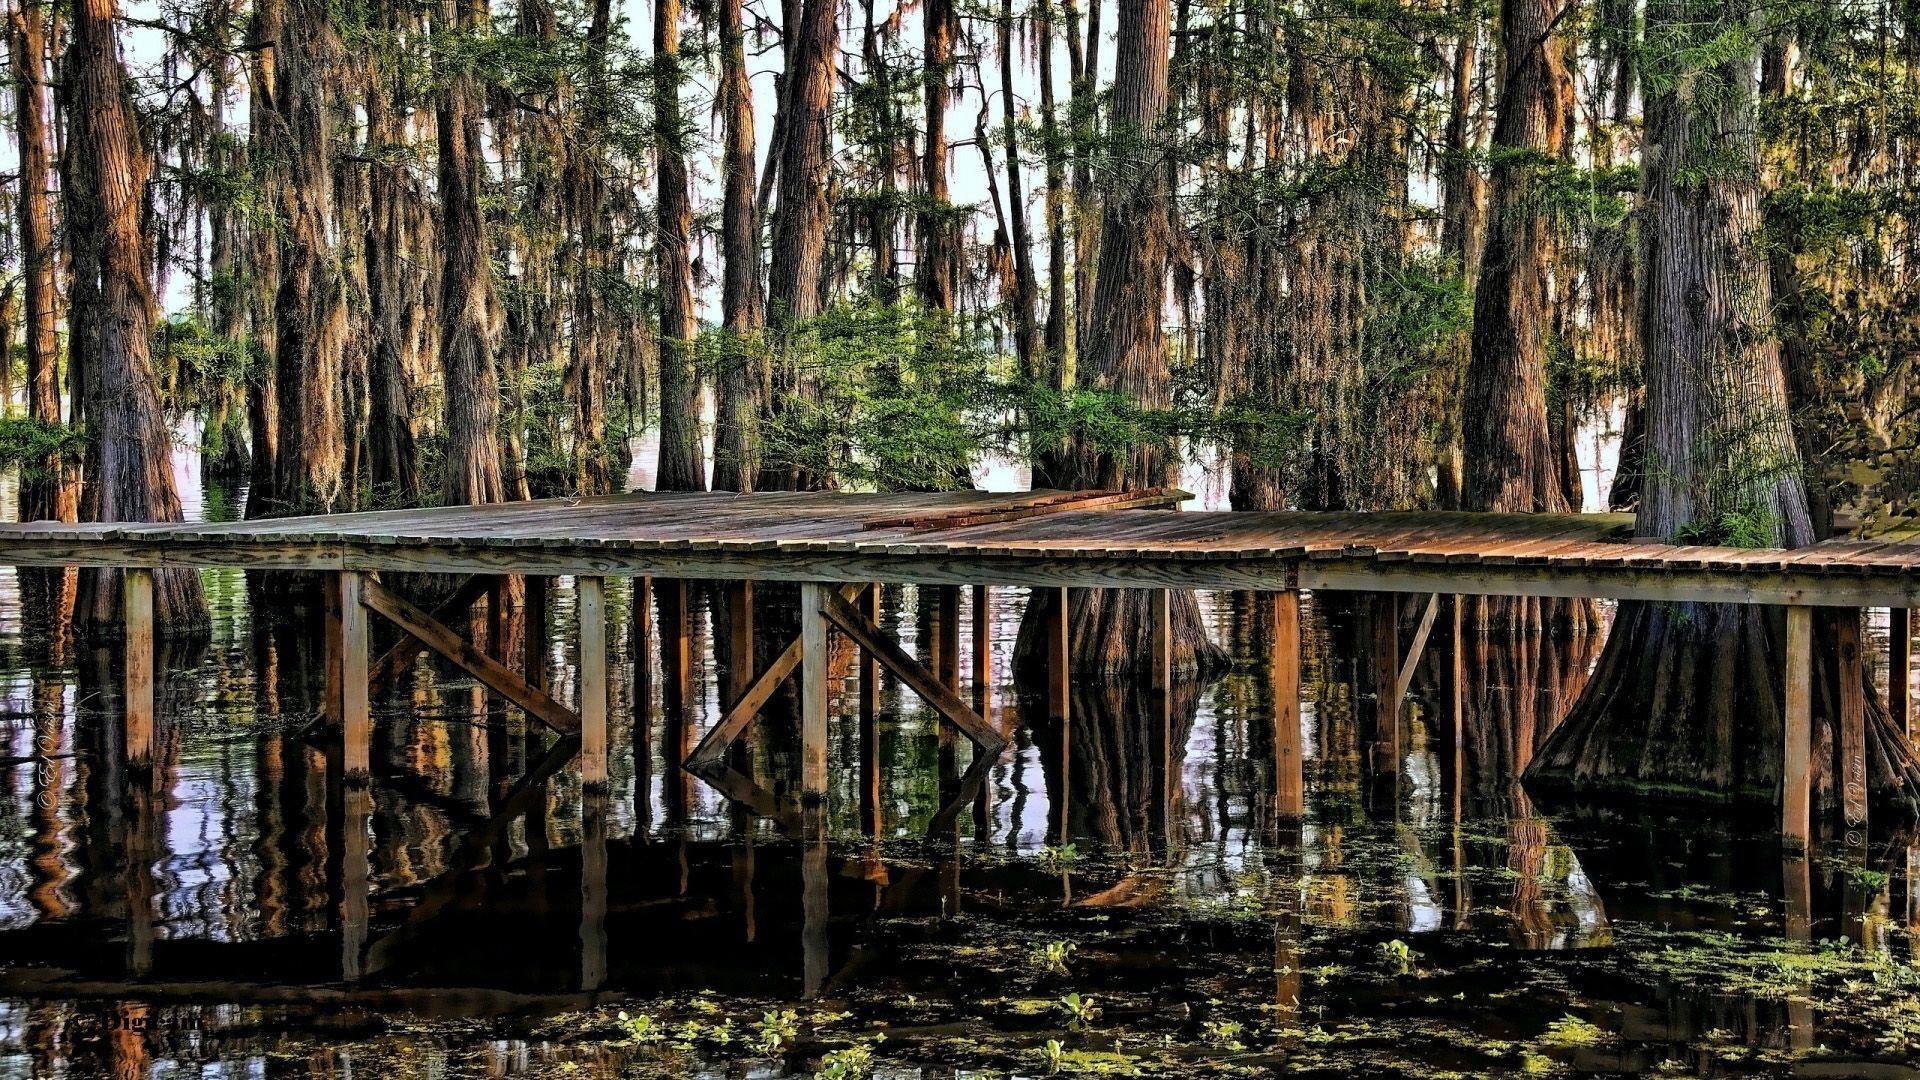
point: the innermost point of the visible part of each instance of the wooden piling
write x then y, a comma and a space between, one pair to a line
1289, 768
1900, 668
1059, 657
593, 680
1386, 681
137, 605
356, 715
1456, 690
983, 652
1796, 794
1161, 661
740, 669
1852, 691
676, 651
533, 652
355, 873
871, 821
813, 693
593, 891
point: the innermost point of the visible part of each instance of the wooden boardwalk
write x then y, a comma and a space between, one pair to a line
839, 546
1039, 539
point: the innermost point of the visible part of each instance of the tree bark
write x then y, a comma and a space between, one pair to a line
682, 465
1510, 464
47, 491
310, 311
939, 241
800, 218
129, 468
466, 288
1127, 354
736, 453
1686, 699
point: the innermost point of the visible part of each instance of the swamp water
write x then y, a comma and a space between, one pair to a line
1119, 899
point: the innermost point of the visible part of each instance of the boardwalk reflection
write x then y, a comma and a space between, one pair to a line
475, 878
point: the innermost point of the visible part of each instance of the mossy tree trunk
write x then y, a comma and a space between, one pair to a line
1686, 699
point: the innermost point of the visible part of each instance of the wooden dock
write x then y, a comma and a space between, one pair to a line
837, 545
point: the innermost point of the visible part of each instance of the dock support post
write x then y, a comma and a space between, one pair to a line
1162, 645
1456, 690
1059, 658
1852, 693
813, 694
740, 659
1900, 669
593, 891
533, 651
983, 651
1386, 682
870, 820
356, 808
593, 681
1796, 772
356, 717
137, 605
1289, 770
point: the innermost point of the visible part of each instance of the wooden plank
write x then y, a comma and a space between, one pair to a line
475, 662
395, 661
937, 694
1796, 794
1900, 669
1033, 505
592, 722
814, 703
356, 715
137, 607
1289, 766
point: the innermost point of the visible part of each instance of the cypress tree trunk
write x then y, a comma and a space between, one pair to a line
47, 492
310, 311
1686, 699
591, 350
682, 465
1127, 354
391, 289
1026, 333
736, 453
466, 288
1509, 457
801, 217
939, 241
129, 468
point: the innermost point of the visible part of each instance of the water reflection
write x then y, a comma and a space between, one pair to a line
244, 905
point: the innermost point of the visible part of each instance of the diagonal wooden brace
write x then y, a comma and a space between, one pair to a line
884, 649
1418, 648
395, 661
713, 746
497, 676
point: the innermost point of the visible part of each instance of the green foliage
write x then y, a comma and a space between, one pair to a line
847, 1063
883, 396
29, 444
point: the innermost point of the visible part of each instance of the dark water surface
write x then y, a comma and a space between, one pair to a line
1114, 903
